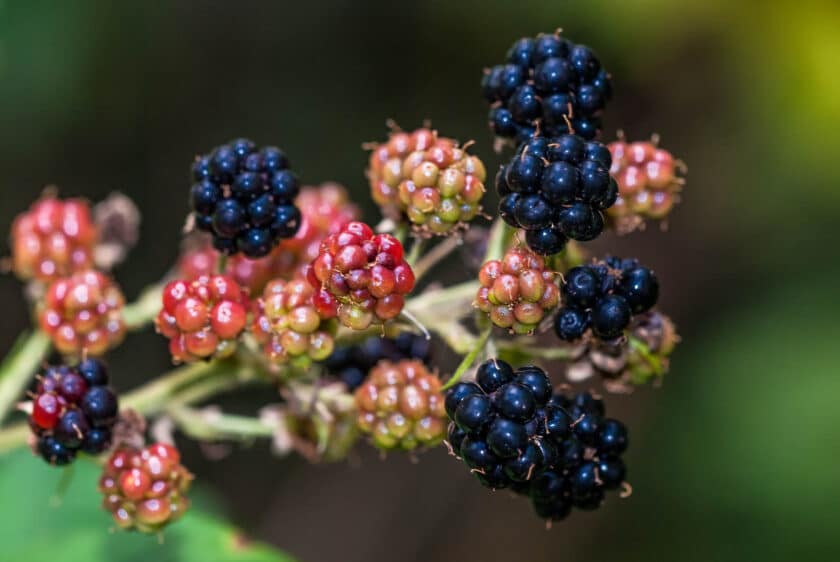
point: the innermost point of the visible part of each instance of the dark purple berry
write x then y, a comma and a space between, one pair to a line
492, 374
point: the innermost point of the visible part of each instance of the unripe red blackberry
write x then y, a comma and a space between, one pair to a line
360, 276
325, 210
442, 188
83, 314
53, 239
386, 166
517, 291
145, 490
649, 182
73, 410
287, 323
401, 406
252, 275
203, 318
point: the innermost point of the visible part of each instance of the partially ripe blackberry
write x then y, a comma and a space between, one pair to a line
401, 406
556, 188
290, 327
145, 489
517, 291
82, 314
604, 297
203, 318
649, 183
244, 196
360, 276
73, 410
548, 84
351, 364
55, 238
428, 179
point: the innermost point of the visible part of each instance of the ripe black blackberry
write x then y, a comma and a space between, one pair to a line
547, 83
499, 424
244, 197
604, 296
351, 364
73, 410
557, 189
589, 462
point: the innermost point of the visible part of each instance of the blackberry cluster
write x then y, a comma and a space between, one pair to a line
649, 182
401, 406
53, 239
604, 296
589, 461
244, 196
351, 364
501, 424
517, 291
73, 410
145, 489
547, 84
289, 326
360, 276
557, 189
82, 314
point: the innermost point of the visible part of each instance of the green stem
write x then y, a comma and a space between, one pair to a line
414, 253
644, 351
499, 239
469, 359
144, 310
435, 256
210, 424
18, 367
519, 345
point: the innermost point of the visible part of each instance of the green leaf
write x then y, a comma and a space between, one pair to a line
37, 527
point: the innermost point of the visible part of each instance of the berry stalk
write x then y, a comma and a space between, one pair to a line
469, 359
23, 360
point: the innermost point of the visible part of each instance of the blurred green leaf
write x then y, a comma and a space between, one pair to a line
34, 528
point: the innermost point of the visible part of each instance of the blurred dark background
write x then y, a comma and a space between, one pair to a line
734, 458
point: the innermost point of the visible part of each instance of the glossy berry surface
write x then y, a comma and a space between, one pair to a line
145, 489
55, 238
401, 406
289, 325
649, 183
499, 424
434, 183
546, 83
557, 189
604, 297
82, 314
203, 318
360, 276
244, 196
351, 363
73, 410
517, 291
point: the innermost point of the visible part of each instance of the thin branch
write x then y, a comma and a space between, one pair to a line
18, 367
435, 256
469, 359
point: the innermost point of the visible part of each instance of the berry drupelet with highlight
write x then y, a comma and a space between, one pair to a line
145, 489
203, 318
55, 238
517, 291
289, 326
649, 183
547, 85
499, 427
401, 406
82, 314
557, 189
589, 461
244, 196
360, 276
604, 297
73, 410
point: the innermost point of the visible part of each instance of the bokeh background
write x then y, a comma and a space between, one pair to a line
734, 458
